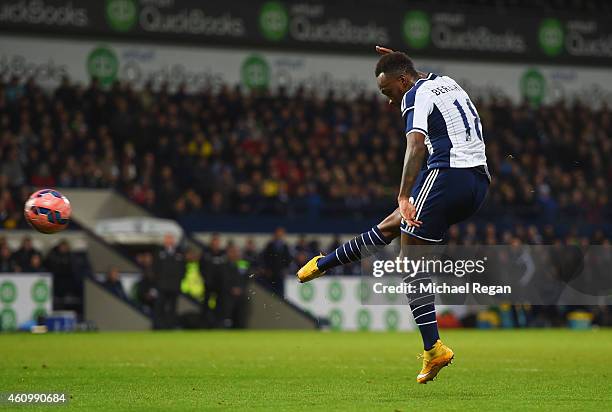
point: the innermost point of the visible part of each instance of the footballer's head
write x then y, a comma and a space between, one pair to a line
395, 75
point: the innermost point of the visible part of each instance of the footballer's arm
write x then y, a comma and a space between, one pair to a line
413, 160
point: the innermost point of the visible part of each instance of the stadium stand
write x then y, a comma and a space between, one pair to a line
228, 152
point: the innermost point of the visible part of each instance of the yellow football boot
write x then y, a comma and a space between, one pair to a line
433, 360
310, 270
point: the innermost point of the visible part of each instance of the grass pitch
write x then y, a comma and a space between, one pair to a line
323, 371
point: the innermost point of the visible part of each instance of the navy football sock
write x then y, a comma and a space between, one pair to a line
364, 245
425, 318
424, 310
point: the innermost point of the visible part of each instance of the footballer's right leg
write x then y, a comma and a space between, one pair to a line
361, 246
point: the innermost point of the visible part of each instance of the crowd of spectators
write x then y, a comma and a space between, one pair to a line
66, 266
28, 259
255, 153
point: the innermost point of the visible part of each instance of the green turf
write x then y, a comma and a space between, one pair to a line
494, 370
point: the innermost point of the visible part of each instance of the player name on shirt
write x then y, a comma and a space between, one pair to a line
444, 89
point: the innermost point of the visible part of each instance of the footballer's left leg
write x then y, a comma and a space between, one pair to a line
360, 247
436, 355
447, 196
430, 201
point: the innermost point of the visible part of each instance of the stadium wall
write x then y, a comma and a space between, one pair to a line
109, 312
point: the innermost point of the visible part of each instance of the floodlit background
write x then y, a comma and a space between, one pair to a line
253, 133
210, 148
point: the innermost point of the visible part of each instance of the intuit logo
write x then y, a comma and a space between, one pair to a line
103, 64
533, 86
273, 20
121, 15
416, 29
550, 36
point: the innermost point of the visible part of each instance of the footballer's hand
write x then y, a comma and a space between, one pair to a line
408, 211
383, 50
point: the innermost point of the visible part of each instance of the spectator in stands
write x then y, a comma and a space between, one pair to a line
193, 283
36, 264
146, 288
335, 243
60, 263
7, 264
251, 254
9, 215
221, 153
276, 259
299, 259
212, 251
169, 268
23, 256
113, 283
234, 300
302, 246
12, 167
214, 262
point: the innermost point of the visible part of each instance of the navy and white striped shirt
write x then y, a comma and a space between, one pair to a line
440, 109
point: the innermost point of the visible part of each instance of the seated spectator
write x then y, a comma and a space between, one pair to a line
7, 264
36, 264
113, 283
299, 259
23, 256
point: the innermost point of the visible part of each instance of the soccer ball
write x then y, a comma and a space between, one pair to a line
48, 211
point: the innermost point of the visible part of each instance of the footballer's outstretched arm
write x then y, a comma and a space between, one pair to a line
413, 160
